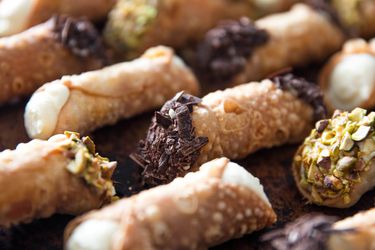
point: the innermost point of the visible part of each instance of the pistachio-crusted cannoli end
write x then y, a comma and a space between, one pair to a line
335, 164
94, 169
226, 48
171, 147
128, 23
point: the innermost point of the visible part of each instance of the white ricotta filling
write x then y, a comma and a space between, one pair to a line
92, 235
42, 110
14, 15
352, 81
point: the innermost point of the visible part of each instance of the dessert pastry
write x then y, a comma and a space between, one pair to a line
85, 102
219, 202
348, 79
19, 15
46, 52
335, 166
242, 51
232, 123
315, 232
62, 175
134, 26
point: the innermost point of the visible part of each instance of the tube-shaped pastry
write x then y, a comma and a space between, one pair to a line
46, 52
19, 15
134, 26
241, 51
348, 79
232, 123
62, 175
335, 165
85, 102
219, 202
316, 232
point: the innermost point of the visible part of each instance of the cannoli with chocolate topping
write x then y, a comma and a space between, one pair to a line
219, 202
232, 123
19, 15
60, 46
242, 51
335, 165
348, 79
134, 26
316, 232
93, 99
62, 175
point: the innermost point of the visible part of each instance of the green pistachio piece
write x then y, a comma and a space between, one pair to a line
331, 181
357, 114
368, 146
89, 144
361, 133
346, 143
328, 137
345, 163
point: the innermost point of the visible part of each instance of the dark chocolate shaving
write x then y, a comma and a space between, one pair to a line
80, 36
170, 147
306, 91
227, 47
307, 232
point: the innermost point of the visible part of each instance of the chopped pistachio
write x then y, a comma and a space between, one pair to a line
324, 162
361, 133
321, 125
346, 143
357, 114
345, 162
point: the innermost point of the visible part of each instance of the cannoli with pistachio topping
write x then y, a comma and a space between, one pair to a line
60, 46
348, 79
93, 99
19, 15
335, 165
316, 232
233, 123
242, 51
219, 202
62, 175
134, 26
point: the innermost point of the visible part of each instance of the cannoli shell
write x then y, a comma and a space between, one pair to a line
246, 118
36, 183
194, 212
296, 37
33, 57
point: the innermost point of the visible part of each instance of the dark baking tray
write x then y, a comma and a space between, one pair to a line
271, 166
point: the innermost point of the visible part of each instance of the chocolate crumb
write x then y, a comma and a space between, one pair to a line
227, 47
170, 147
306, 91
80, 36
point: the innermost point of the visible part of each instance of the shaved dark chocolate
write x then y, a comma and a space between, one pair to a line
307, 232
306, 91
80, 36
170, 147
226, 49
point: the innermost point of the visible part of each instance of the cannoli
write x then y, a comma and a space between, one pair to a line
85, 102
62, 175
242, 51
348, 79
134, 26
46, 52
335, 166
219, 202
19, 15
232, 123
316, 232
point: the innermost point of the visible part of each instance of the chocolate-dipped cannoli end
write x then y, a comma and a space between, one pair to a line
171, 147
14, 16
334, 167
128, 22
349, 77
43, 108
226, 49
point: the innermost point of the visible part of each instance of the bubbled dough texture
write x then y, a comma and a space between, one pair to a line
38, 185
297, 37
31, 58
243, 119
194, 212
103, 97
